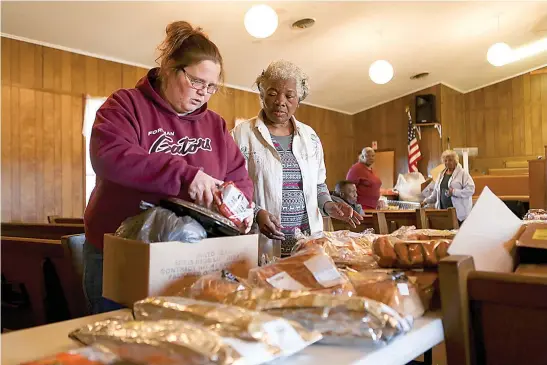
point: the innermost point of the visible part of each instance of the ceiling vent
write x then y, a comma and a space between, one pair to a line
419, 76
303, 23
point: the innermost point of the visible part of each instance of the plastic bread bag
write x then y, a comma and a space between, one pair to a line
411, 233
157, 224
284, 336
427, 283
341, 320
311, 270
391, 252
113, 354
346, 248
214, 287
535, 215
390, 287
233, 204
188, 343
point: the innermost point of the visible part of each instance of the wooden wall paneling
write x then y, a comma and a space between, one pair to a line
78, 74
52, 69
537, 135
66, 160
223, 103
27, 141
78, 157
544, 107
38, 173
6, 61
246, 104
58, 154
92, 76
7, 161
131, 75
517, 85
112, 77
15, 155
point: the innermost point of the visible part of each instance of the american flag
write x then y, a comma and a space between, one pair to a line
414, 154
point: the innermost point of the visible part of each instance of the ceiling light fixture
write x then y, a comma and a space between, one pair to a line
499, 54
380, 72
260, 21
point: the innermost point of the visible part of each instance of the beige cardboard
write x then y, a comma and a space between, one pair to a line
133, 270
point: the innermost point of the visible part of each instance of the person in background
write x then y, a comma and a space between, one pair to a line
454, 187
159, 140
367, 183
346, 191
286, 163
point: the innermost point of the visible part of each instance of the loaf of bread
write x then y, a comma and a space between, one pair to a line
427, 283
391, 252
389, 287
308, 270
216, 286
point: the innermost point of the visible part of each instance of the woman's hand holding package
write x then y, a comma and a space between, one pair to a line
269, 225
202, 189
343, 212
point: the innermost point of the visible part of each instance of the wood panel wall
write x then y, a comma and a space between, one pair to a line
43, 151
388, 124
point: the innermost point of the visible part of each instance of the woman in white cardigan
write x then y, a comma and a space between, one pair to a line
454, 187
285, 161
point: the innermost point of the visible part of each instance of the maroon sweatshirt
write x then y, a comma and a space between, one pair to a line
141, 149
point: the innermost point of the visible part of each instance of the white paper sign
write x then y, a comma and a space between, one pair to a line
483, 235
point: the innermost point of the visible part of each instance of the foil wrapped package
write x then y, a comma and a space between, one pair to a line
340, 319
187, 343
282, 337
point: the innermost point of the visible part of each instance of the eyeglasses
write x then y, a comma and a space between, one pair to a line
199, 84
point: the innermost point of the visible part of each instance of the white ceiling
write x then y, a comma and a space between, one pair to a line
447, 39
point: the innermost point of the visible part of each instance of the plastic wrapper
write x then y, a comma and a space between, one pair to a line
233, 204
346, 248
214, 287
113, 354
427, 282
391, 252
158, 224
390, 287
409, 186
535, 215
186, 342
411, 233
311, 270
283, 337
340, 319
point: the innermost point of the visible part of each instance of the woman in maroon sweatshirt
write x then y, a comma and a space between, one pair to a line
158, 140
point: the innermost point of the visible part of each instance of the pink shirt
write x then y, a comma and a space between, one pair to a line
368, 185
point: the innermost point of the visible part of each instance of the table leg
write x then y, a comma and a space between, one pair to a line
428, 359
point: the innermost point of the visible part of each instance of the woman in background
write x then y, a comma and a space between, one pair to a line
454, 187
367, 183
286, 163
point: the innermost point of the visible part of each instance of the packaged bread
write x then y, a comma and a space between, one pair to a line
346, 248
214, 287
535, 215
230, 321
411, 233
308, 270
427, 283
391, 252
390, 287
340, 319
232, 203
186, 342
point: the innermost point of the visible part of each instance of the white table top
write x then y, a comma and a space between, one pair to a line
34, 343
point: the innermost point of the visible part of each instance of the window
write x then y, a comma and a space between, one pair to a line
91, 106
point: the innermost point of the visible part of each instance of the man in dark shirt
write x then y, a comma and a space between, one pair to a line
346, 191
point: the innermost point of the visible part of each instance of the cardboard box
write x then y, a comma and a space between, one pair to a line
532, 270
133, 270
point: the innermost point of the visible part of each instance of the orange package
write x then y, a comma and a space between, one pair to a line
308, 270
215, 287
233, 204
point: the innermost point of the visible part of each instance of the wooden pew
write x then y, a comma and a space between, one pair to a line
441, 218
26, 261
343, 226
55, 219
387, 221
492, 318
40, 230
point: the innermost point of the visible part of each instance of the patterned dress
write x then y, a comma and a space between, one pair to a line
293, 208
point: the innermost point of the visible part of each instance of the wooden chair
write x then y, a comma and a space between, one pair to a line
40, 230
387, 221
55, 219
440, 218
492, 318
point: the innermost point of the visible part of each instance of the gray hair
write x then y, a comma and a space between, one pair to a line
284, 70
450, 153
363, 155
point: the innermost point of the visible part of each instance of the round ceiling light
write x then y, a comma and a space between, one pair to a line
499, 54
380, 72
261, 21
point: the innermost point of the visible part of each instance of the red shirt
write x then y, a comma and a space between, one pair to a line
368, 185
